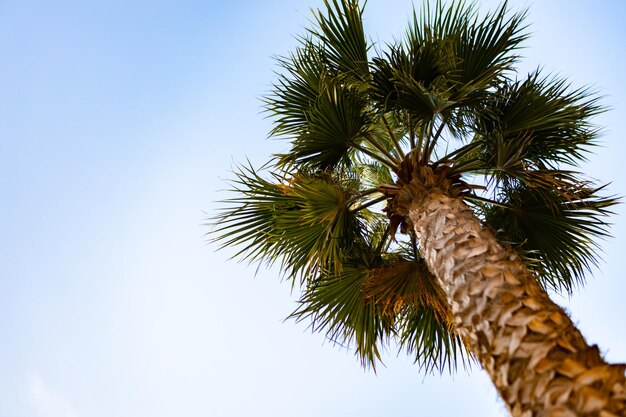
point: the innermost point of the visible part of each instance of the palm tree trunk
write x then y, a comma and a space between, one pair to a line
536, 357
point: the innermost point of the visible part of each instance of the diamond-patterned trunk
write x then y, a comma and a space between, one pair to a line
536, 357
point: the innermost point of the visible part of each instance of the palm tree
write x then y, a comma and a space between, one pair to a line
430, 199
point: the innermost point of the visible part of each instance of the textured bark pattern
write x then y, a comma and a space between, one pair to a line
537, 359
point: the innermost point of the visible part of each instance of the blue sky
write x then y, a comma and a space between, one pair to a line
119, 121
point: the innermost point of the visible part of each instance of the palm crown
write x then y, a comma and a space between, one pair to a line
444, 102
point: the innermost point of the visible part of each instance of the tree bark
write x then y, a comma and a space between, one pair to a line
538, 360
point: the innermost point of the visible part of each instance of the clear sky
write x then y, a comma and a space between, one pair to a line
119, 121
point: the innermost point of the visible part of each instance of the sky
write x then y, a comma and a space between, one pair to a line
119, 123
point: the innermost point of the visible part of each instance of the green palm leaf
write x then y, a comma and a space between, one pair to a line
485, 49
342, 36
556, 229
335, 124
297, 89
304, 220
413, 80
401, 281
425, 334
544, 118
335, 304
369, 306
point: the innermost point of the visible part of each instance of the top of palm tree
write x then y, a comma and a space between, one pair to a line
444, 105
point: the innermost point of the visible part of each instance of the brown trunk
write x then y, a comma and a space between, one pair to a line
536, 357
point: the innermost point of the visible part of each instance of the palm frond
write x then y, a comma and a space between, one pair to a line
485, 50
248, 220
557, 230
304, 221
372, 174
544, 117
439, 21
412, 81
335, 125
342, 36
504, 164
451, 57
297, 89
335, 304
371, 306
426, 335
399, 282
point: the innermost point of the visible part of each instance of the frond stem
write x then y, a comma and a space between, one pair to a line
412, 134
431, 143
424, 141
362, 194
383, 239
385, 162
487, 200
380, 148
417, 147
463, 149
414, 246
394, 140
460, 168
369, 203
